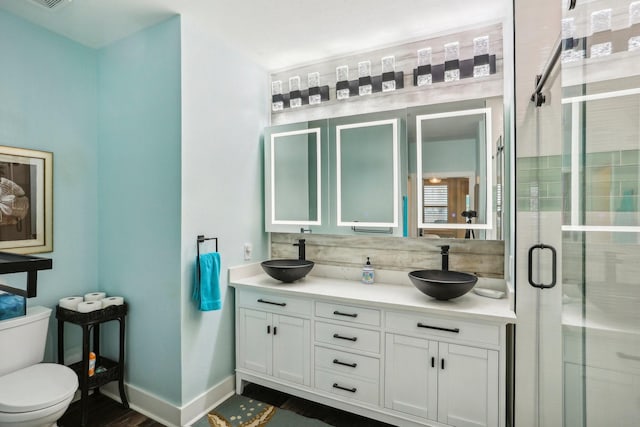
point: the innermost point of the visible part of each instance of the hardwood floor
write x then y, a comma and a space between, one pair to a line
105, 412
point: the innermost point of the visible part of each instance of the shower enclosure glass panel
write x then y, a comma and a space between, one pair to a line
601, 216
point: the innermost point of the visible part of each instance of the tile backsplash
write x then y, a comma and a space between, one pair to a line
484, 258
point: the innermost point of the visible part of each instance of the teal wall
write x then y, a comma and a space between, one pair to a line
48, 99
139, 169
222, 190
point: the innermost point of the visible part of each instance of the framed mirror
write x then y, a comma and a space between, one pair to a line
454, 183
294, 182
367, 174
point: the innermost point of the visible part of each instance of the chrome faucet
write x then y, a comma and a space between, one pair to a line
444, 251
301, 248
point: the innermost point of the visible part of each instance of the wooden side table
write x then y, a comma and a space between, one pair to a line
113, 371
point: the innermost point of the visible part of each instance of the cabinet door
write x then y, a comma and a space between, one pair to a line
291, 349
255, 342
467, 386
411, 381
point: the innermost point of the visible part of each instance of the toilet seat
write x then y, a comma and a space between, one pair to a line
36, 387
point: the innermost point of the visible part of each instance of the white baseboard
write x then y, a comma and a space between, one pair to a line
166, 413
201, 405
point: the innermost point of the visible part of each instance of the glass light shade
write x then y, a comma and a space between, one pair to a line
294, 83
452, 53
313, 79
276, 89
634, 19
364, 70
342, 74
481, 47
634, 13
424, 56
601, 21
388, 66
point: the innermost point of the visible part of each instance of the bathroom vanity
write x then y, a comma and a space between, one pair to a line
384, 351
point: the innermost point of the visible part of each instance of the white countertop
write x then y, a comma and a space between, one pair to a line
385, 295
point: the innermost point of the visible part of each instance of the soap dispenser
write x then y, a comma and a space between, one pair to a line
367, 273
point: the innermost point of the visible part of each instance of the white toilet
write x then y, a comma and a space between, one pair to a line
32, 394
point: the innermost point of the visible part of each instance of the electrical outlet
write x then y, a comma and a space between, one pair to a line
248, 250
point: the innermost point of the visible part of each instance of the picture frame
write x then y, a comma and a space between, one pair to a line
26, 200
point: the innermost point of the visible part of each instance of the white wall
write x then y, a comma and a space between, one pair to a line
224, 110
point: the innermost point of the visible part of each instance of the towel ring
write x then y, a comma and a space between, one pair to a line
202, 239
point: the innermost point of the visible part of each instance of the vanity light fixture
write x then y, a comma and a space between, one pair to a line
295, 95
435, 180
634, 26
422, 75
452, 62
365, 86
277, 100
313, 80
481, 66
342, 82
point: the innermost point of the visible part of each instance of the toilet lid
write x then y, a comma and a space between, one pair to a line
36, 387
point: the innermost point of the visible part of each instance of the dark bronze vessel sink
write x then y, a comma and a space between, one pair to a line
443, 284
287, 270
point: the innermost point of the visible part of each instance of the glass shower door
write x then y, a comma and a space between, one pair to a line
600, 165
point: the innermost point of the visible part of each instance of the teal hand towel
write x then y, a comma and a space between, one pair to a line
206, 291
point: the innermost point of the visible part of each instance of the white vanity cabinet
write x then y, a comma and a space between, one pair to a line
271, 343
394, 356
432, 373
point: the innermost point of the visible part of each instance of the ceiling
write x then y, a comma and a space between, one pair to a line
275, 33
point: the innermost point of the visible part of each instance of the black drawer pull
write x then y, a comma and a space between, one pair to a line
339, 313
264, 301
351, 365
340, 337
352, 390
438, 328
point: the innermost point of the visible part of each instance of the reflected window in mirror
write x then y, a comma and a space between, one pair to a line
454, 160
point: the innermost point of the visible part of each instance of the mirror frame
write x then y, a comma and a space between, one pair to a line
489, 170
318, 133
396, 172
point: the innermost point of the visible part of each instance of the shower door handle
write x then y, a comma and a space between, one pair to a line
553, 266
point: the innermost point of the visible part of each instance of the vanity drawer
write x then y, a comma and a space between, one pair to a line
348, 337
347, 313
349, 387
275, 303
341, 362
416, 324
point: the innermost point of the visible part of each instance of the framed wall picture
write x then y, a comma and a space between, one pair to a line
26, 200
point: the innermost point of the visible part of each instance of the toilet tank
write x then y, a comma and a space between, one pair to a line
22, 339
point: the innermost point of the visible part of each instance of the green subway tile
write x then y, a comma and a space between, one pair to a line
524, 176
630, 157
603, 159
524, 204
551, 204
555, 161
550, 175
554, 189
626, 173
601, 189
598, 174
527, 163
625, 203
